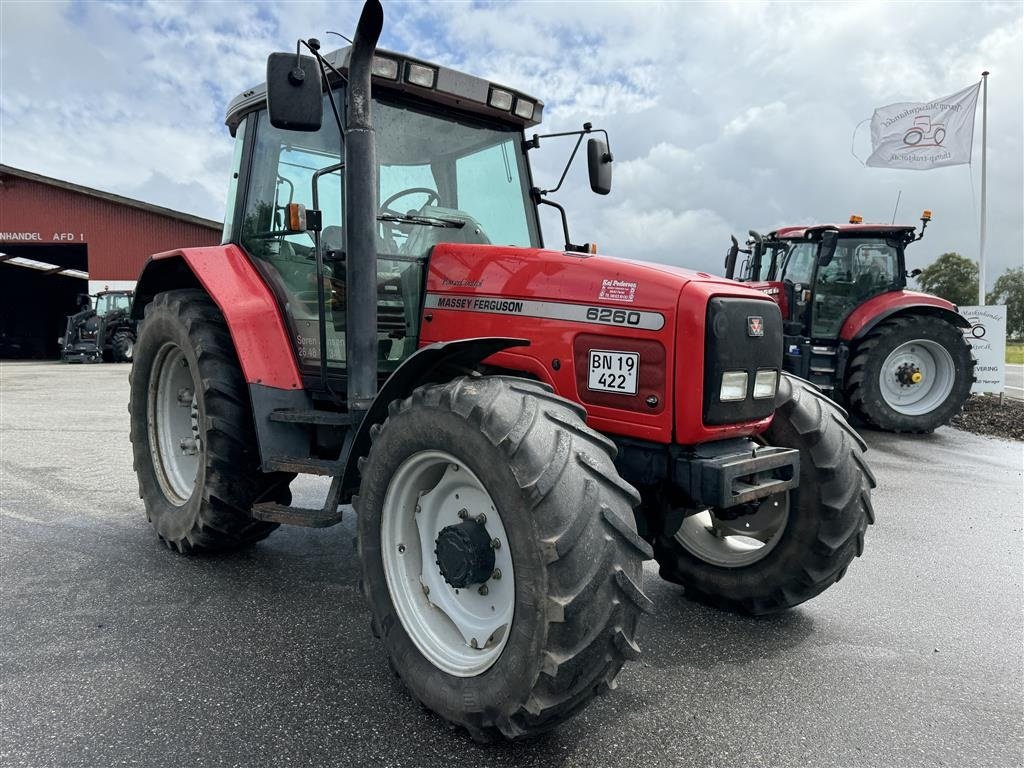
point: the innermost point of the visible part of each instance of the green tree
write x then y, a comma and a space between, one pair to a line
953, 277
1009, 290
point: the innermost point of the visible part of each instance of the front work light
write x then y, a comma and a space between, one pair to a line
734, 386
417, 74
385, 68
524, 109
501, 99
765, 384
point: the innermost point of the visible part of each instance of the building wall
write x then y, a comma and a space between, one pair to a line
119, 237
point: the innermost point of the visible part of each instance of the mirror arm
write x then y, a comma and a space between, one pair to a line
537, 199
534, 143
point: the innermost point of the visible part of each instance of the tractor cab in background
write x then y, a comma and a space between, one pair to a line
839, 284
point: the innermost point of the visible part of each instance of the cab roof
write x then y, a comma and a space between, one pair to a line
809, 230
451, 88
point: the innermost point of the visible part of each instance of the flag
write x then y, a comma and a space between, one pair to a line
921, 136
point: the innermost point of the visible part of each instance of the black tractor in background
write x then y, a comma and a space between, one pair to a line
101, 333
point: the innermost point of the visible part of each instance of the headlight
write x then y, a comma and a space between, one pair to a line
734, 386
765, 384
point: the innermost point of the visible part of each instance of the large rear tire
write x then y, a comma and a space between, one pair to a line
123, 346
567, 615
910, 374
808, 536
192, 431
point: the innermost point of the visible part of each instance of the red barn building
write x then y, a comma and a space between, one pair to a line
59, 240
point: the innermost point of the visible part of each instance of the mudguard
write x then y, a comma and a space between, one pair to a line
229, 277
873, 311
430, 364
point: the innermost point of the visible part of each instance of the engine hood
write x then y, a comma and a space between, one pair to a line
539, 273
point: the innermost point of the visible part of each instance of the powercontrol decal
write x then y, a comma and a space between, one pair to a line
553, 310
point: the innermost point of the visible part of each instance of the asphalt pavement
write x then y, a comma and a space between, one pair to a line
115, 651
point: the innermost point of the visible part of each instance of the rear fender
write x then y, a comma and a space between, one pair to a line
433, 363
864, 318
225, 272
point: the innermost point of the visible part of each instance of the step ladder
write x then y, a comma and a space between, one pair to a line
330, 513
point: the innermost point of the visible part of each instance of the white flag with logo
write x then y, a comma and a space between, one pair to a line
925, 135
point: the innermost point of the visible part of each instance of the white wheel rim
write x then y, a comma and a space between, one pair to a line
735, 543
444, 622
129, 348
922, 358
173, 424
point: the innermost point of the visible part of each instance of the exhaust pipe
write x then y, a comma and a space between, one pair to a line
361, 215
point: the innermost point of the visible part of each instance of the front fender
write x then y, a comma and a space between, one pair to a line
228, 276
864, 318
432, 363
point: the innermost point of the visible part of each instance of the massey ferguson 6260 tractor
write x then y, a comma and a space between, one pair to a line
896, 358
517, 428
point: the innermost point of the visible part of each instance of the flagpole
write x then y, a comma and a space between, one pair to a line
984, 154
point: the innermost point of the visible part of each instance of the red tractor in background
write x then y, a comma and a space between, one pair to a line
517, 428
896, 358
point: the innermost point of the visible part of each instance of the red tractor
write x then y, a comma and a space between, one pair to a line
517, 428
896, 358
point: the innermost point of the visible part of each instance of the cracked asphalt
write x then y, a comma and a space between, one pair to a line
115, 651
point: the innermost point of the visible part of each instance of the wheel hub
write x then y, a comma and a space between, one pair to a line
908, 375
464, 554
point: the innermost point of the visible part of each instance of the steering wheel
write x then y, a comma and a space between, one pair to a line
432, 197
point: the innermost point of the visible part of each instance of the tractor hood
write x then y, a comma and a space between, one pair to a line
529, 273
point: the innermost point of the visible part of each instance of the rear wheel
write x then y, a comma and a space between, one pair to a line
193, 438
910, 374
798, 543
499, 553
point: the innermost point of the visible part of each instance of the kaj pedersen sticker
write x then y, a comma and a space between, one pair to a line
617, 290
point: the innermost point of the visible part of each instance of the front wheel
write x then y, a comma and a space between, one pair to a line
499, 554
797, 543
910, 374
123, 346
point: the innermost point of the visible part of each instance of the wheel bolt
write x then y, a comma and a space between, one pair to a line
418, 510
496, 574
401, 549
481, 518
473, 643
483, 589
463, 514
495, 544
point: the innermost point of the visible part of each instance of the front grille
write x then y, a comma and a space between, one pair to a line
731, 344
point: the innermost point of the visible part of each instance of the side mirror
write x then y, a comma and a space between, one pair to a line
914, 272
294, 92
599, 162
827, 248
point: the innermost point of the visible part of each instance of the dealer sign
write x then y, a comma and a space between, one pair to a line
987, 337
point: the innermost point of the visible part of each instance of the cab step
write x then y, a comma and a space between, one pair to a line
272, 512
304, 465
311, 416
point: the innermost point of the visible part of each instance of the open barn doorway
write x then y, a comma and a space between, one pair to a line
39, 288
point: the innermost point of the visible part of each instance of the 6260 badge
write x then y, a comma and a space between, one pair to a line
611, 371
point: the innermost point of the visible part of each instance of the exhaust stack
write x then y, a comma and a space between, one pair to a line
361, 215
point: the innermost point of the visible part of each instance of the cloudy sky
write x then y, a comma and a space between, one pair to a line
723, 116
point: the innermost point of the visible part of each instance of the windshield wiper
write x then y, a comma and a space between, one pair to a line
427, 221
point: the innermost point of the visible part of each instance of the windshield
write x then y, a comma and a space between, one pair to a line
110, 302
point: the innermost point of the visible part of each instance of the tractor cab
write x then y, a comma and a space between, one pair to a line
108, 302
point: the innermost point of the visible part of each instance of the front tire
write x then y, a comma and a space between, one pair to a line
192, 431
123, 346
910, 374
809, 540
510, 450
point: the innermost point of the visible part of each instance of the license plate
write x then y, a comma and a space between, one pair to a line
613, 371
